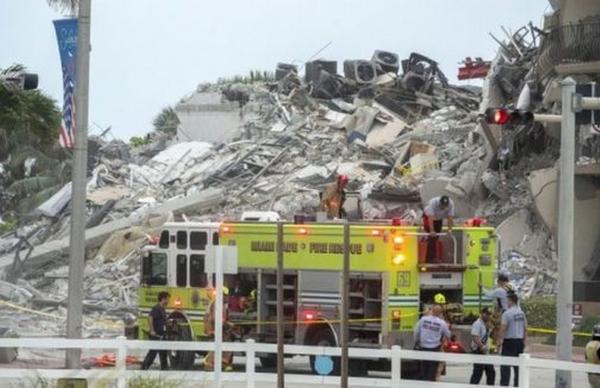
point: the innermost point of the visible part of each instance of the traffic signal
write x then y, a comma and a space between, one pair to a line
20, 80
503, 116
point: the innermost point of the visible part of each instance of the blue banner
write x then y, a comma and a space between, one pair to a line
66, 34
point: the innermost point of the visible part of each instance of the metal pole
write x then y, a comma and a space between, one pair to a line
280, 323
345, 306
78, 212
564, 297
218, 361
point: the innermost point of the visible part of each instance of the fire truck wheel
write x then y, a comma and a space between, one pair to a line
181, 360
268, 362
325, 338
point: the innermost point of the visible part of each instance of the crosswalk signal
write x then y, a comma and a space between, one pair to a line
503, 116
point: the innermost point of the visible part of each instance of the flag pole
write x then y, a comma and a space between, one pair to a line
78, 213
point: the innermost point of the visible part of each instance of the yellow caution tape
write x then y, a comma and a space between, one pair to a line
552, 331
17, 307
120, 325
100, 322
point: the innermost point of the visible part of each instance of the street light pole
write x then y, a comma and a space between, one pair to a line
280, 315
78, 212
344, 329
564, 296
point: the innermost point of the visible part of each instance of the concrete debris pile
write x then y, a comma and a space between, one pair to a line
399, 129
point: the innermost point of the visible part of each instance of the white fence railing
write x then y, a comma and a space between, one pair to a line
120, 374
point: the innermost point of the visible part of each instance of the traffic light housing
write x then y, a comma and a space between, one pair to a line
503, 116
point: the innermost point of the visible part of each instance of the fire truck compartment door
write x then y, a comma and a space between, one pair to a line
441, 280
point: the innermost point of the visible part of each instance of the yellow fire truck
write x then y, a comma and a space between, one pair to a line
391, 282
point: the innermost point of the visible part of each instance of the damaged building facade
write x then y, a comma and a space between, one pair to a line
397, 127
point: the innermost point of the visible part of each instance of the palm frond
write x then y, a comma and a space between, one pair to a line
69, 6
30, 203
31, 186
15, 68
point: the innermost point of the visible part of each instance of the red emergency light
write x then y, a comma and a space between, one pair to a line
396, 221
497, 116
309, 315
177, 304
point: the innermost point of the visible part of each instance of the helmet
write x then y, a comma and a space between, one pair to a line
444, 200
439, 298
213, 293
596, 332
342, 179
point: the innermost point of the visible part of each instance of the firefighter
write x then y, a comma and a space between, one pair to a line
333, 198
513, 333
440, 299
499, 296
592, 355
430, 334
434, 213
228, 335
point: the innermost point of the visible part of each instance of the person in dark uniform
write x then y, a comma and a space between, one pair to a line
157, 320
513, 333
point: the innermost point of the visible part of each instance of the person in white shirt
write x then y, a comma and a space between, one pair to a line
513, 333
430, 333
480, 333
437, 209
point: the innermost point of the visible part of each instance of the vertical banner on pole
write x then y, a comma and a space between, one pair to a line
66, 35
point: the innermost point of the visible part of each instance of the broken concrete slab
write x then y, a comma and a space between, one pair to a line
55, 250
104, 194
57, 203
543, 188
513, 230
385, 133
359, 123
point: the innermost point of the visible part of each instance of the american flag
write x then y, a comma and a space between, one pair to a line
67, 125
66, 34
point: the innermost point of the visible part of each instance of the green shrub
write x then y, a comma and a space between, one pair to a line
586, 326
541, 314
540, 311
8, 225
138, 141
155, 382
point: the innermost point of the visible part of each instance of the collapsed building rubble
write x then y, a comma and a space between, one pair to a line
401, 138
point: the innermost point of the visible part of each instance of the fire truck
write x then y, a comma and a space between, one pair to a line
391, 282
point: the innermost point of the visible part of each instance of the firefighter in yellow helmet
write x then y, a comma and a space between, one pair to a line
209, 330
439, 298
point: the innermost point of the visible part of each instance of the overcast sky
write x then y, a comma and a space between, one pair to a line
147, 54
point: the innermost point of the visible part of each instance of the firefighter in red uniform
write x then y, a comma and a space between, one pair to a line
333, 198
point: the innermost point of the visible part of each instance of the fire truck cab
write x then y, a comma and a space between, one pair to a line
391, 282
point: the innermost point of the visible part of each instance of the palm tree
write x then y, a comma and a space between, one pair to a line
64, 5
29, 122
166, 121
